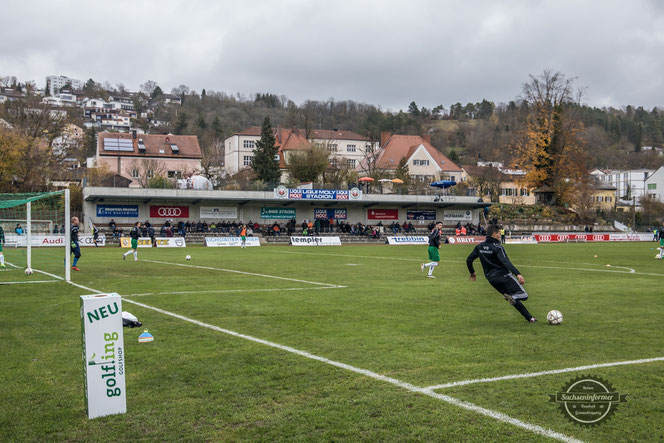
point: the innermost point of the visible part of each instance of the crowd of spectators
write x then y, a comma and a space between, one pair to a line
469, 229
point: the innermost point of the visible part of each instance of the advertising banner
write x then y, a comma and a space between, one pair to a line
383, 214
103, 354
408, 240
521, 240
170, 242
169, 211
278, 213
337, 214
125, 242
51, 240
453, 239
221, 242
421, 215
315, 241
218, 212
317, 194
457, 215
129, 211
590, 237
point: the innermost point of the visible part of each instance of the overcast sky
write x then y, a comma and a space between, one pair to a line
383, 52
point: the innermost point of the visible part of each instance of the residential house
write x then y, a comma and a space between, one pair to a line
425, 162
629, 184
344, 146
69, 139
56, 82
603, 197
140, 157
655, 185
171, 99
508, 183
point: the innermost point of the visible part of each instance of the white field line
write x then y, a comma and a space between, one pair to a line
537, 374
409, 387
224, 291
245, 273
27, 282
446, 398
631, 271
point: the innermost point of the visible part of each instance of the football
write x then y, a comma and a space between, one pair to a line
28, 271
554, 317
188, 257
658, 256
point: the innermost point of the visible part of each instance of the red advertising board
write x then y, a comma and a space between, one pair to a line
461, 239
383, 214
169, 211
557, 238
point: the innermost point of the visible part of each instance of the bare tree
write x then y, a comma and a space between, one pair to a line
148, 168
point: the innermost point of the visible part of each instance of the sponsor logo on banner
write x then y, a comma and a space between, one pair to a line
421, 215
130, 211
103, 354
315, 241
589, 237
462, 215
338, 214
125, 242
521, 240
225, 212
221, 242
453, 239
170, 242
317, 194
169, 211
89, 240
408, 240
383, 214
278, 213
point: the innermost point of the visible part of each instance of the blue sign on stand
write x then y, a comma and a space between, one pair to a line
130, 211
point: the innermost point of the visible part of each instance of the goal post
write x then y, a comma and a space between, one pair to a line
37, 232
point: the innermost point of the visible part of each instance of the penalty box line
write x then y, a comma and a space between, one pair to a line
330, 285
231, 291
551, 372
499, 416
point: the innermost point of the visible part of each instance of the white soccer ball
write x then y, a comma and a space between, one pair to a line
188, 257
658, 256
554, 317
28, 271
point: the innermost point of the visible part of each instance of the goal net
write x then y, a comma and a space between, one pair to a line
36, 232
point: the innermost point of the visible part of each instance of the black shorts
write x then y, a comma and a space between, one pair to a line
509, 285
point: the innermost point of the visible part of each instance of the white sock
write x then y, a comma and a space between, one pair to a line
431, 265
127, 253
2, 259
135, 255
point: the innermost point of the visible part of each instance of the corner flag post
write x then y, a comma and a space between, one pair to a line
67, 237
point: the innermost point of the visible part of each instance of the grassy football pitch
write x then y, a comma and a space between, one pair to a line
338, 343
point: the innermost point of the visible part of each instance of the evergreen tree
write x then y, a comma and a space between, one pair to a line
157, 92
263, 161
180, 124
216, 127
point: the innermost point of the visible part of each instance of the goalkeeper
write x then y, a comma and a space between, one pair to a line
75, 247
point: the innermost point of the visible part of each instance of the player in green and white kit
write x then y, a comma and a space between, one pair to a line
2, 242
434, 243
134, 234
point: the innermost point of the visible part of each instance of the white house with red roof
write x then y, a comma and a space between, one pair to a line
425, 162
344, 146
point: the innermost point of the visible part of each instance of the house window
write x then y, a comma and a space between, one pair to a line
333, 161
249, 144
150, 173
652, 186
174, 174
524, 192
247, 160
350, 162
332, 147
134, 173
609, 199
351, 148
420, 162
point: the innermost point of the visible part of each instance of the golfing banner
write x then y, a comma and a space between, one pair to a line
103, 354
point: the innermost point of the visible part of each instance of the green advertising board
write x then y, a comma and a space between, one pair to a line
275, 213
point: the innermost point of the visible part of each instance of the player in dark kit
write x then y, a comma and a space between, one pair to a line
434, 243
500, 272
75, 247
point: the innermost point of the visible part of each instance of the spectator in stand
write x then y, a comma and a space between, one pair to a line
276, 229
181, 228
257, 227
431, 226
55, 229
144, 231
111, 225
330, 223
317, 226
152, 236
410, 227
457, 232
62, 229
310, 227
162, 231
188, 226
169, 232
463, 230
18, 229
